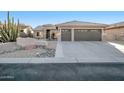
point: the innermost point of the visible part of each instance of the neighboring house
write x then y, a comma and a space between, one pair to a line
114, 32
25, 30
1, 25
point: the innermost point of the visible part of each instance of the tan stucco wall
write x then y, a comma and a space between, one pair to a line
114, 34
56, 33
108, 34
41, 36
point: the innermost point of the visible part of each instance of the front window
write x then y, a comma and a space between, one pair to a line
57, 28
21, 30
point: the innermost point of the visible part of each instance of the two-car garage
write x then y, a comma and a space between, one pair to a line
81, 35
81, 31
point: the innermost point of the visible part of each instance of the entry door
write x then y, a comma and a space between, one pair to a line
47, 34
66, 34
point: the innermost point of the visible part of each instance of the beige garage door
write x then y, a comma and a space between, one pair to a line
66, 34
87, 35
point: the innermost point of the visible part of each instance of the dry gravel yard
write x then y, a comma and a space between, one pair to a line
11, 50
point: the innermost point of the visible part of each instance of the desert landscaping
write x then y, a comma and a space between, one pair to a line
16, 41
12, 50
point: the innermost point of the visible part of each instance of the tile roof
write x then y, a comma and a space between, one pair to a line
38, 27
46, 26
119, 24
23, 26
80, 23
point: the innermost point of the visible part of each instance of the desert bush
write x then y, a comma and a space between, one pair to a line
23, 35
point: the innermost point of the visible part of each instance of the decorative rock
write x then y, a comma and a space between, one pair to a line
30, 47
24, 42
48, 53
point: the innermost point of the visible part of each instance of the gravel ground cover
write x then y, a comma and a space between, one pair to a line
12, 50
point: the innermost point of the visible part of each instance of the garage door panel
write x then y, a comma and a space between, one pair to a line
66, 35
87, 35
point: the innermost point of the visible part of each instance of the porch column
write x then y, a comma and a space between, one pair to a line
44, 33
59, 39
72, 34
103, 34
50, 34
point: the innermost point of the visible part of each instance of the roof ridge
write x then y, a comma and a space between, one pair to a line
117, 23
83, 22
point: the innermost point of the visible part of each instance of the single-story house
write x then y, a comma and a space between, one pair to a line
71, 31
80, 31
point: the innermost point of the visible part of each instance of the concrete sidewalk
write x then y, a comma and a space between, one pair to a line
59, 50
61, 60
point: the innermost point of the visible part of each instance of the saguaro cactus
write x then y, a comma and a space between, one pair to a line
9, 31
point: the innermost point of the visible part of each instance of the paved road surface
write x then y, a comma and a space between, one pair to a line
62, 71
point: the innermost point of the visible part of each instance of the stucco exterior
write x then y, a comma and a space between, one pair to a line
108, 32
114, 34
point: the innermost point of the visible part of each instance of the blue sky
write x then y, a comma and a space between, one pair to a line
35, 18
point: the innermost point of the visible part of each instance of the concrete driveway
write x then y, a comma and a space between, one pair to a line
91, 51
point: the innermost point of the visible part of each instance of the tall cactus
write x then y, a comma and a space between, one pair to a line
18, 28
0, 23
9, 31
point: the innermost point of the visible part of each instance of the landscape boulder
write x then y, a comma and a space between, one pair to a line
30, 42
